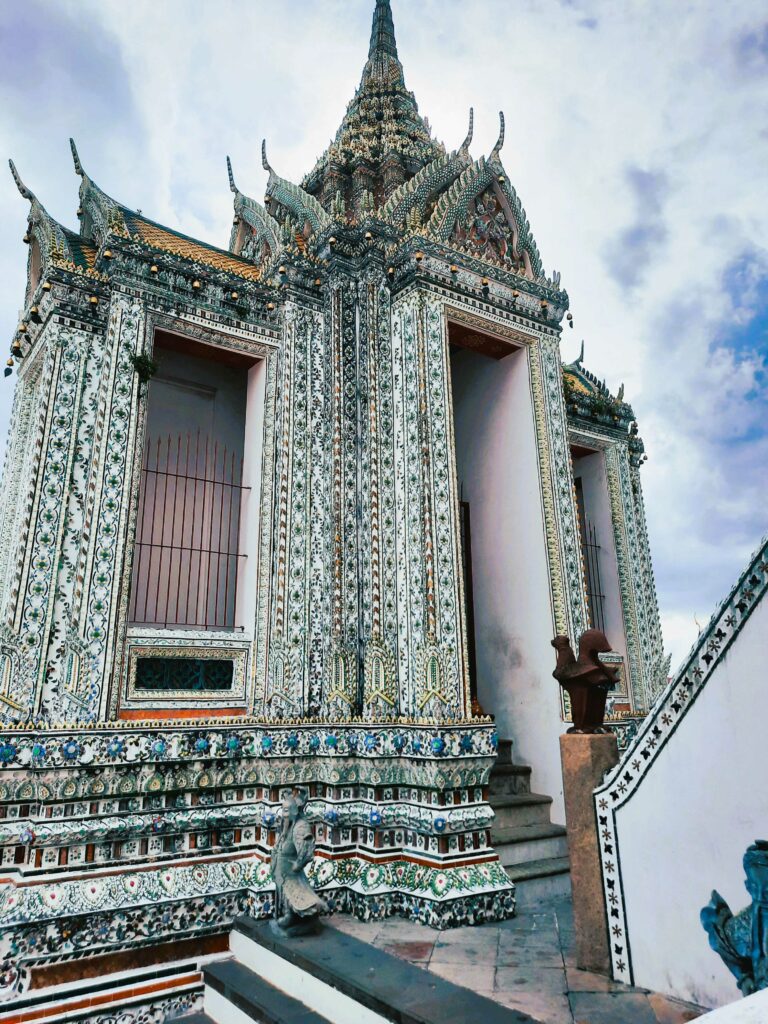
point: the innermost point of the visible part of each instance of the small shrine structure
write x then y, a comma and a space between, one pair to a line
306, 511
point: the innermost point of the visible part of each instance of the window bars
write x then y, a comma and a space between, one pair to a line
187, 557
595, 595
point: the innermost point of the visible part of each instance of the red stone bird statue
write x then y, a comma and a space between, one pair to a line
586, 681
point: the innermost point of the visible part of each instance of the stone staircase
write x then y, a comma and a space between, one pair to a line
533, 851
331, 978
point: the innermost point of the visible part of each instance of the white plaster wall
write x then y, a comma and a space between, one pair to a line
497, 465
597, 506
685, 830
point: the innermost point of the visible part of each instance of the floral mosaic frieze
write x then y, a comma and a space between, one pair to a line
41, 749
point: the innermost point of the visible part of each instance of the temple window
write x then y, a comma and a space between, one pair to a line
198, 514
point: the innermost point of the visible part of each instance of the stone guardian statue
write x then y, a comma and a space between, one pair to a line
297, 905
741, 940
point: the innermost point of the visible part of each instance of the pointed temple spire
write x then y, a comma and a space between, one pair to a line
383, 140
383, 32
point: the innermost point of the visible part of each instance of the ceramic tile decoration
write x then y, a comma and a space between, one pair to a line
140, 801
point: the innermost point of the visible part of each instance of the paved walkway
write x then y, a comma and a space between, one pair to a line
527, 964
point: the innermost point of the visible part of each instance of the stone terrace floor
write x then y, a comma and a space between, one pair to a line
527, 964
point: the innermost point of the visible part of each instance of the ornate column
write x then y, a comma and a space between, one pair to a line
431, 637
642, 627
299, 633
569, 602
105, 544
39, 612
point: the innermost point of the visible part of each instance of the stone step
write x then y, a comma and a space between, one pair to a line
537, 880
509, 779
520, 844
504, 752
514, 811
348, 981
235, 995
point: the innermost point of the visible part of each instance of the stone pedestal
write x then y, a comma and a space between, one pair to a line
585, 759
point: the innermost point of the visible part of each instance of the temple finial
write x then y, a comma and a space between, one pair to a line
383, 32
232, 185
464, 148
19, 183
78, 166
502, 131
264, 161
580, 360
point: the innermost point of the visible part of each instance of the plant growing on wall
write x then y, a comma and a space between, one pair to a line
145, 367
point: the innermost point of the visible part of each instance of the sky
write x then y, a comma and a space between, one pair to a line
637, 140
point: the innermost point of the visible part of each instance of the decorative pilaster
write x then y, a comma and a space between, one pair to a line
299, 633
569, 602
432, 630
39, 611
642, 626
105, 548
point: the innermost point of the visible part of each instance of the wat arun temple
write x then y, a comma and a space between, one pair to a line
306, 512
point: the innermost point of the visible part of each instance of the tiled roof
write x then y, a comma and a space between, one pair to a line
83, 253
174, 242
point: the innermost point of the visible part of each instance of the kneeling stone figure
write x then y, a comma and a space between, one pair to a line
297, 905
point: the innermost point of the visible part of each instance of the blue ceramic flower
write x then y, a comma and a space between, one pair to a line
69, 750
27, 837
233, 743
416, 745
266, 743
7, 752
437, 745
398, 742
293, 741
116, 747
494, 740
465, 743
440, 824
314, 742
370, 741
268, 819
375, 818
38, 751
332, 816
201, 745
159, 747
158, 824
331, 741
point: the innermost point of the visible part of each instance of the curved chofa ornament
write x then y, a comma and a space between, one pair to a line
255, 234
101, 215
302, 208
586, 680
496, 151
48, 239
297, 905
741, 940
464, 148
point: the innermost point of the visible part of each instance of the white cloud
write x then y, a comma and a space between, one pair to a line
601, 98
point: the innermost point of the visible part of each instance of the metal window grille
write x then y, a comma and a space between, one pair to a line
187, 557
595, 593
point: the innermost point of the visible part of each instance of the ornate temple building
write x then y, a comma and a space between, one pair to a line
307, 511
